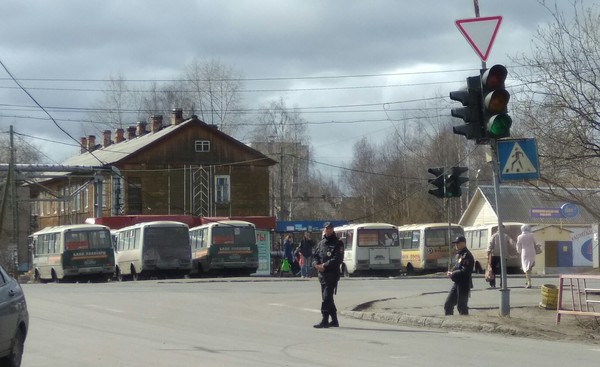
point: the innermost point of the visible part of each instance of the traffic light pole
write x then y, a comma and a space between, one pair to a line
450, 249
504, 291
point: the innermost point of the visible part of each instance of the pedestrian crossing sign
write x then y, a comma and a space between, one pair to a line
518, 160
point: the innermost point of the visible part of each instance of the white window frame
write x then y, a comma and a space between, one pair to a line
202, 146
222, 189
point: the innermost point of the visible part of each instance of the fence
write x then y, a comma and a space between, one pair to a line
584, 291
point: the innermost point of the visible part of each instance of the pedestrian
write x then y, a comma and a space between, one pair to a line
493, 253
461, 276
288, 249
327, 259
526, 247
306, 248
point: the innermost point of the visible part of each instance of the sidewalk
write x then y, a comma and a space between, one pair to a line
526, 317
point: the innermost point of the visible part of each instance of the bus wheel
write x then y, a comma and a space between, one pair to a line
120, 277
134, 276
478, 268
409, 269
345, 271
36, 277
55, 278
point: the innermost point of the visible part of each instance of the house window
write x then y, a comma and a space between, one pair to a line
222, 189
202, 146
134, 195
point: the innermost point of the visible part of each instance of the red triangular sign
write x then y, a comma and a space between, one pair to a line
480, 33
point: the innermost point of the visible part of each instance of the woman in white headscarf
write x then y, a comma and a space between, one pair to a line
526, 247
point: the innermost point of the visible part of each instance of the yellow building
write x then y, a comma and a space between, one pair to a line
564, 230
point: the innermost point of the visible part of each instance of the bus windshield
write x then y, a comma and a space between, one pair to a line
439, 236
76, 240
233, 235
167, 241
378, 237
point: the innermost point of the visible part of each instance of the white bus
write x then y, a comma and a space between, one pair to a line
478, 238
224, 246
159, 248
425, 247
70, 252
370, 247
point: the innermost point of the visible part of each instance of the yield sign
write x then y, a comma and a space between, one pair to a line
480, 33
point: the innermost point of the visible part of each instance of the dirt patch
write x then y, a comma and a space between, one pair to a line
536, 322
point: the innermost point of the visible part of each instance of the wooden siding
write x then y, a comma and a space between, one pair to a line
160, 168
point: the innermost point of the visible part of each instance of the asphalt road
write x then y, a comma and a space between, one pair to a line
254, 322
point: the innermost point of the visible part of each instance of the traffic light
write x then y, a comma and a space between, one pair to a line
496, 120
439, 182
455, 181
470, 97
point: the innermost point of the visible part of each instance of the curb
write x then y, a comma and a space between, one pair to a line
437, 322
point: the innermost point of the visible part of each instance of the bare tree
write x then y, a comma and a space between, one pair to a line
558, 103
110, 111
214, 93
25, 151
210, 90
280, 132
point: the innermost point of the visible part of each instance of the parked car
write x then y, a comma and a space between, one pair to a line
14, 320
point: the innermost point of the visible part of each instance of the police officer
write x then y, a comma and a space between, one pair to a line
327, 258
461, 276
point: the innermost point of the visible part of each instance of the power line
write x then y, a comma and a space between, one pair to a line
69, 80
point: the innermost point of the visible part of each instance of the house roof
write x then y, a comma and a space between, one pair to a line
114, 153
518, 201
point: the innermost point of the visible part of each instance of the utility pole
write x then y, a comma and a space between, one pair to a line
13, 245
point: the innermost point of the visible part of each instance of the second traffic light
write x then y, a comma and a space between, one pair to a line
470, 97
439, 182
455, 181
496, 121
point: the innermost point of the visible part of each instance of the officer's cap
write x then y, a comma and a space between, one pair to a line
328, 225
460, 239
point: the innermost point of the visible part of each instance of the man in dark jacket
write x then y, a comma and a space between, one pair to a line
306, 248
327, 258
461, 276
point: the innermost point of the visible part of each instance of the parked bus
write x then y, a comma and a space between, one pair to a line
226, 245
425, 247
478, 238
370, 247
71, 252
160, 248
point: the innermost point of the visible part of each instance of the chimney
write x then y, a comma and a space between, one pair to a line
119, 135
141, 128
176, 116
106, 141
156, 122
91, 143
130, 132
83, 145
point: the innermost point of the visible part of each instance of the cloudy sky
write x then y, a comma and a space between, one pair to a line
352, 67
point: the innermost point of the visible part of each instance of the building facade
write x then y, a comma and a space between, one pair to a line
185, 167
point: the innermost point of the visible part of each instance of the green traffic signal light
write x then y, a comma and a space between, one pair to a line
496, 120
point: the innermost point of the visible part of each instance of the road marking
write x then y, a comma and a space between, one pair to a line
105, 309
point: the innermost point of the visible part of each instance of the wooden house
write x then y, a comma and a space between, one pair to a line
185, 167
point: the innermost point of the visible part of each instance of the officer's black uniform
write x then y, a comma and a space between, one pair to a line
329, 252
461, 276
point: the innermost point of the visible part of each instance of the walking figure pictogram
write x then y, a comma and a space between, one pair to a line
517, 159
